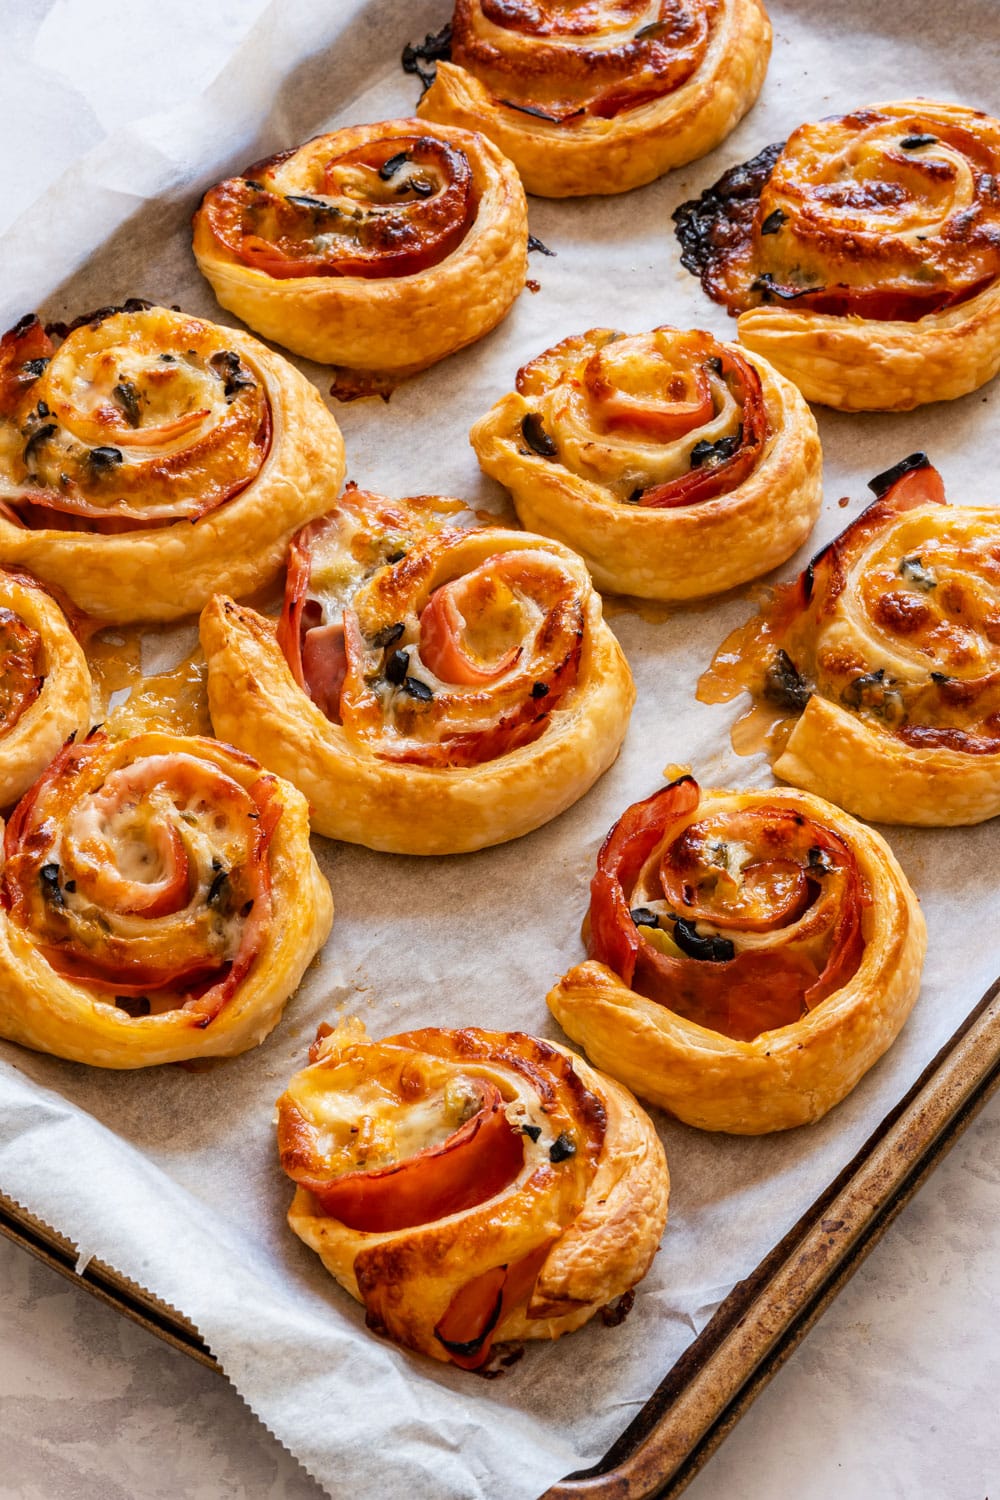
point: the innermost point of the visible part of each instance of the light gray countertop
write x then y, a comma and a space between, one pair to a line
895, 1392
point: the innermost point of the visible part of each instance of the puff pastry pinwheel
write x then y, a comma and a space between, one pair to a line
604, 96
676, 465
752, 954
431, 689
359, 248
148, 458
470, 1187
44, 682
875, 675
159, 902
863, 255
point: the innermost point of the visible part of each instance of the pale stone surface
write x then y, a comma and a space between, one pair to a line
893, 1394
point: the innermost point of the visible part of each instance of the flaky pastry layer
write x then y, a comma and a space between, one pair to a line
50, 1012
588, 154
578, 1220
677, 551
385, 323
783, 1077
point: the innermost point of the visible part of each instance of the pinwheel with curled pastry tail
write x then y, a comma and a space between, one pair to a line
676, 465
752, 954
159, 902
432, 688
875, 675
44, 682
359, 248
148, 457
863, 255
470, 1187
602, 96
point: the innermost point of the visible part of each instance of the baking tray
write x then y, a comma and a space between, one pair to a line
759, 1324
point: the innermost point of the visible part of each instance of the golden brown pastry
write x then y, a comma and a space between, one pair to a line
360, 248
676, 465
752, 954
432, 689
605, 96
470, 1187
863, 255
159, 902
875, 676
148, 458
44, 683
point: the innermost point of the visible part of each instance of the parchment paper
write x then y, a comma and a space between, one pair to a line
170, 1175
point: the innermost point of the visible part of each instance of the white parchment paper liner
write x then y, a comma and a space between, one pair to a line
170, 1175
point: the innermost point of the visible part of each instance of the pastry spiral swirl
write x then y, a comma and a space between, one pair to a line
44, 683
752, 954
159, 902
421, 666
470, 1187
877, 672
357, 248
147, 456
676, 465
603, 96
863, 256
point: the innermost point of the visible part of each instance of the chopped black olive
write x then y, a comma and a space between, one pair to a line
914, 142
768, 288
818, 864
104, 458
774, 221
713, 950
870, 691
540, 114
888, 477
940, 678
49, 877
536, 437
705, 452
252, 182
648, 33
246, 908
230, 368
219, 880
70, 886
387, 635
913, 570
784, 685
417, 689
562, 1148
34, 367
531, 1131
420, 186
302, 200
714, 363
38, 437
23, 324
534, 243
643, 917
540, 690
133, 1005
636, 495
390, 167
396, 667
168, 359
43, 408
126, 396
395, 557
435, 47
